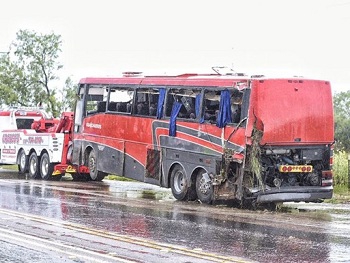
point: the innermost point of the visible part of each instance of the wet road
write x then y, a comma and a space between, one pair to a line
114, 221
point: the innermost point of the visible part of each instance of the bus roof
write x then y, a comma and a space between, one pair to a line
188, 79
184, 79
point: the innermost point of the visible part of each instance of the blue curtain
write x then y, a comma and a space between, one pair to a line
225, 115
172, 124
161, 99
197, 107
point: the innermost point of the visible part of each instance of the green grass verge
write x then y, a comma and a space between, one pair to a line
13, 167
119, 178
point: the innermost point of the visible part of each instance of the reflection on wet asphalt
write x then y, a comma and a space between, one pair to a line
10, 252
147, 211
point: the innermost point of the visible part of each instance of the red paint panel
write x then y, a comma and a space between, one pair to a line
137, 132
293, 112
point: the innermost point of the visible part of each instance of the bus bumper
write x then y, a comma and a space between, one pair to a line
290, 194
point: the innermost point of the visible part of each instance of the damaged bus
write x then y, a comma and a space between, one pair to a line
251, 139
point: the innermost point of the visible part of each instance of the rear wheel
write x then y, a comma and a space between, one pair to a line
178, 183
22, 162
204, 187
95, 175
46, 167
34, 168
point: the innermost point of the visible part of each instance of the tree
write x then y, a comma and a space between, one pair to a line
341, 103
27, 72
68, 95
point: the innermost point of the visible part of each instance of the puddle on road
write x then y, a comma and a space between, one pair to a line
151, 212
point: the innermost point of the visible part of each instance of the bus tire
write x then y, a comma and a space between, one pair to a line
204, 188
95, 175
34, 167
46, 167
178, 183
22, 162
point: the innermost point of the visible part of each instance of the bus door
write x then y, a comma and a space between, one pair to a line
148, 104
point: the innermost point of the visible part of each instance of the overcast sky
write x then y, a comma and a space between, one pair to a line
307, 38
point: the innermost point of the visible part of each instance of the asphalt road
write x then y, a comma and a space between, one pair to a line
112, 221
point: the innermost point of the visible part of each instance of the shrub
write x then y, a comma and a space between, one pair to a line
340, 168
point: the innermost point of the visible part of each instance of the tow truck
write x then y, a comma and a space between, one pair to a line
39, 144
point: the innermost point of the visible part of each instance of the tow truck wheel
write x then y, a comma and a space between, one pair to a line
204, 187
95, 175
34, 168
46, 167
22, 162
178, 183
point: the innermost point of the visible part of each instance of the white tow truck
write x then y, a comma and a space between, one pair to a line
36, 142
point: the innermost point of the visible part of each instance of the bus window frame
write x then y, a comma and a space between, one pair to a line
120, 104
168, 108
212, 119
136, 106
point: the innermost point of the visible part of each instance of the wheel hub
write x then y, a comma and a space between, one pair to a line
179, 179
204, 186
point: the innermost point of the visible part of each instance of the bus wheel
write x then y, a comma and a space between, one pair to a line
178, 183
95, 175
22, 162
34, 166
46, 168
204, 187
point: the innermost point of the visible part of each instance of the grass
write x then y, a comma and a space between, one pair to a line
341, 193
13, 167
340, 168
118, 178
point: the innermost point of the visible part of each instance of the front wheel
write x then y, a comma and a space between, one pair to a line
204, 188
95, 175
34, 169
46, 168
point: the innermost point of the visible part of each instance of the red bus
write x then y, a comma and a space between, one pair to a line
209, 136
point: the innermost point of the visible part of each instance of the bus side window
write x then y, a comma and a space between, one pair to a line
153, 109
101, 106
120, 99
146, 101
142, 106
92, 104
211, 105
236, 105
112, 106
187, 110
169, 104
93, 97
187, 97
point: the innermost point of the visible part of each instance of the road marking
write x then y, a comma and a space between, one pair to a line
20, 238
127, 239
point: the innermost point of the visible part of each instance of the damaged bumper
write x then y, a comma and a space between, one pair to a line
293, 194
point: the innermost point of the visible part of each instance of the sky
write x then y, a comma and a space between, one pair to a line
308, 38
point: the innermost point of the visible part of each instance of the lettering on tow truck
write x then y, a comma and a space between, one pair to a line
10, 138
33, 140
